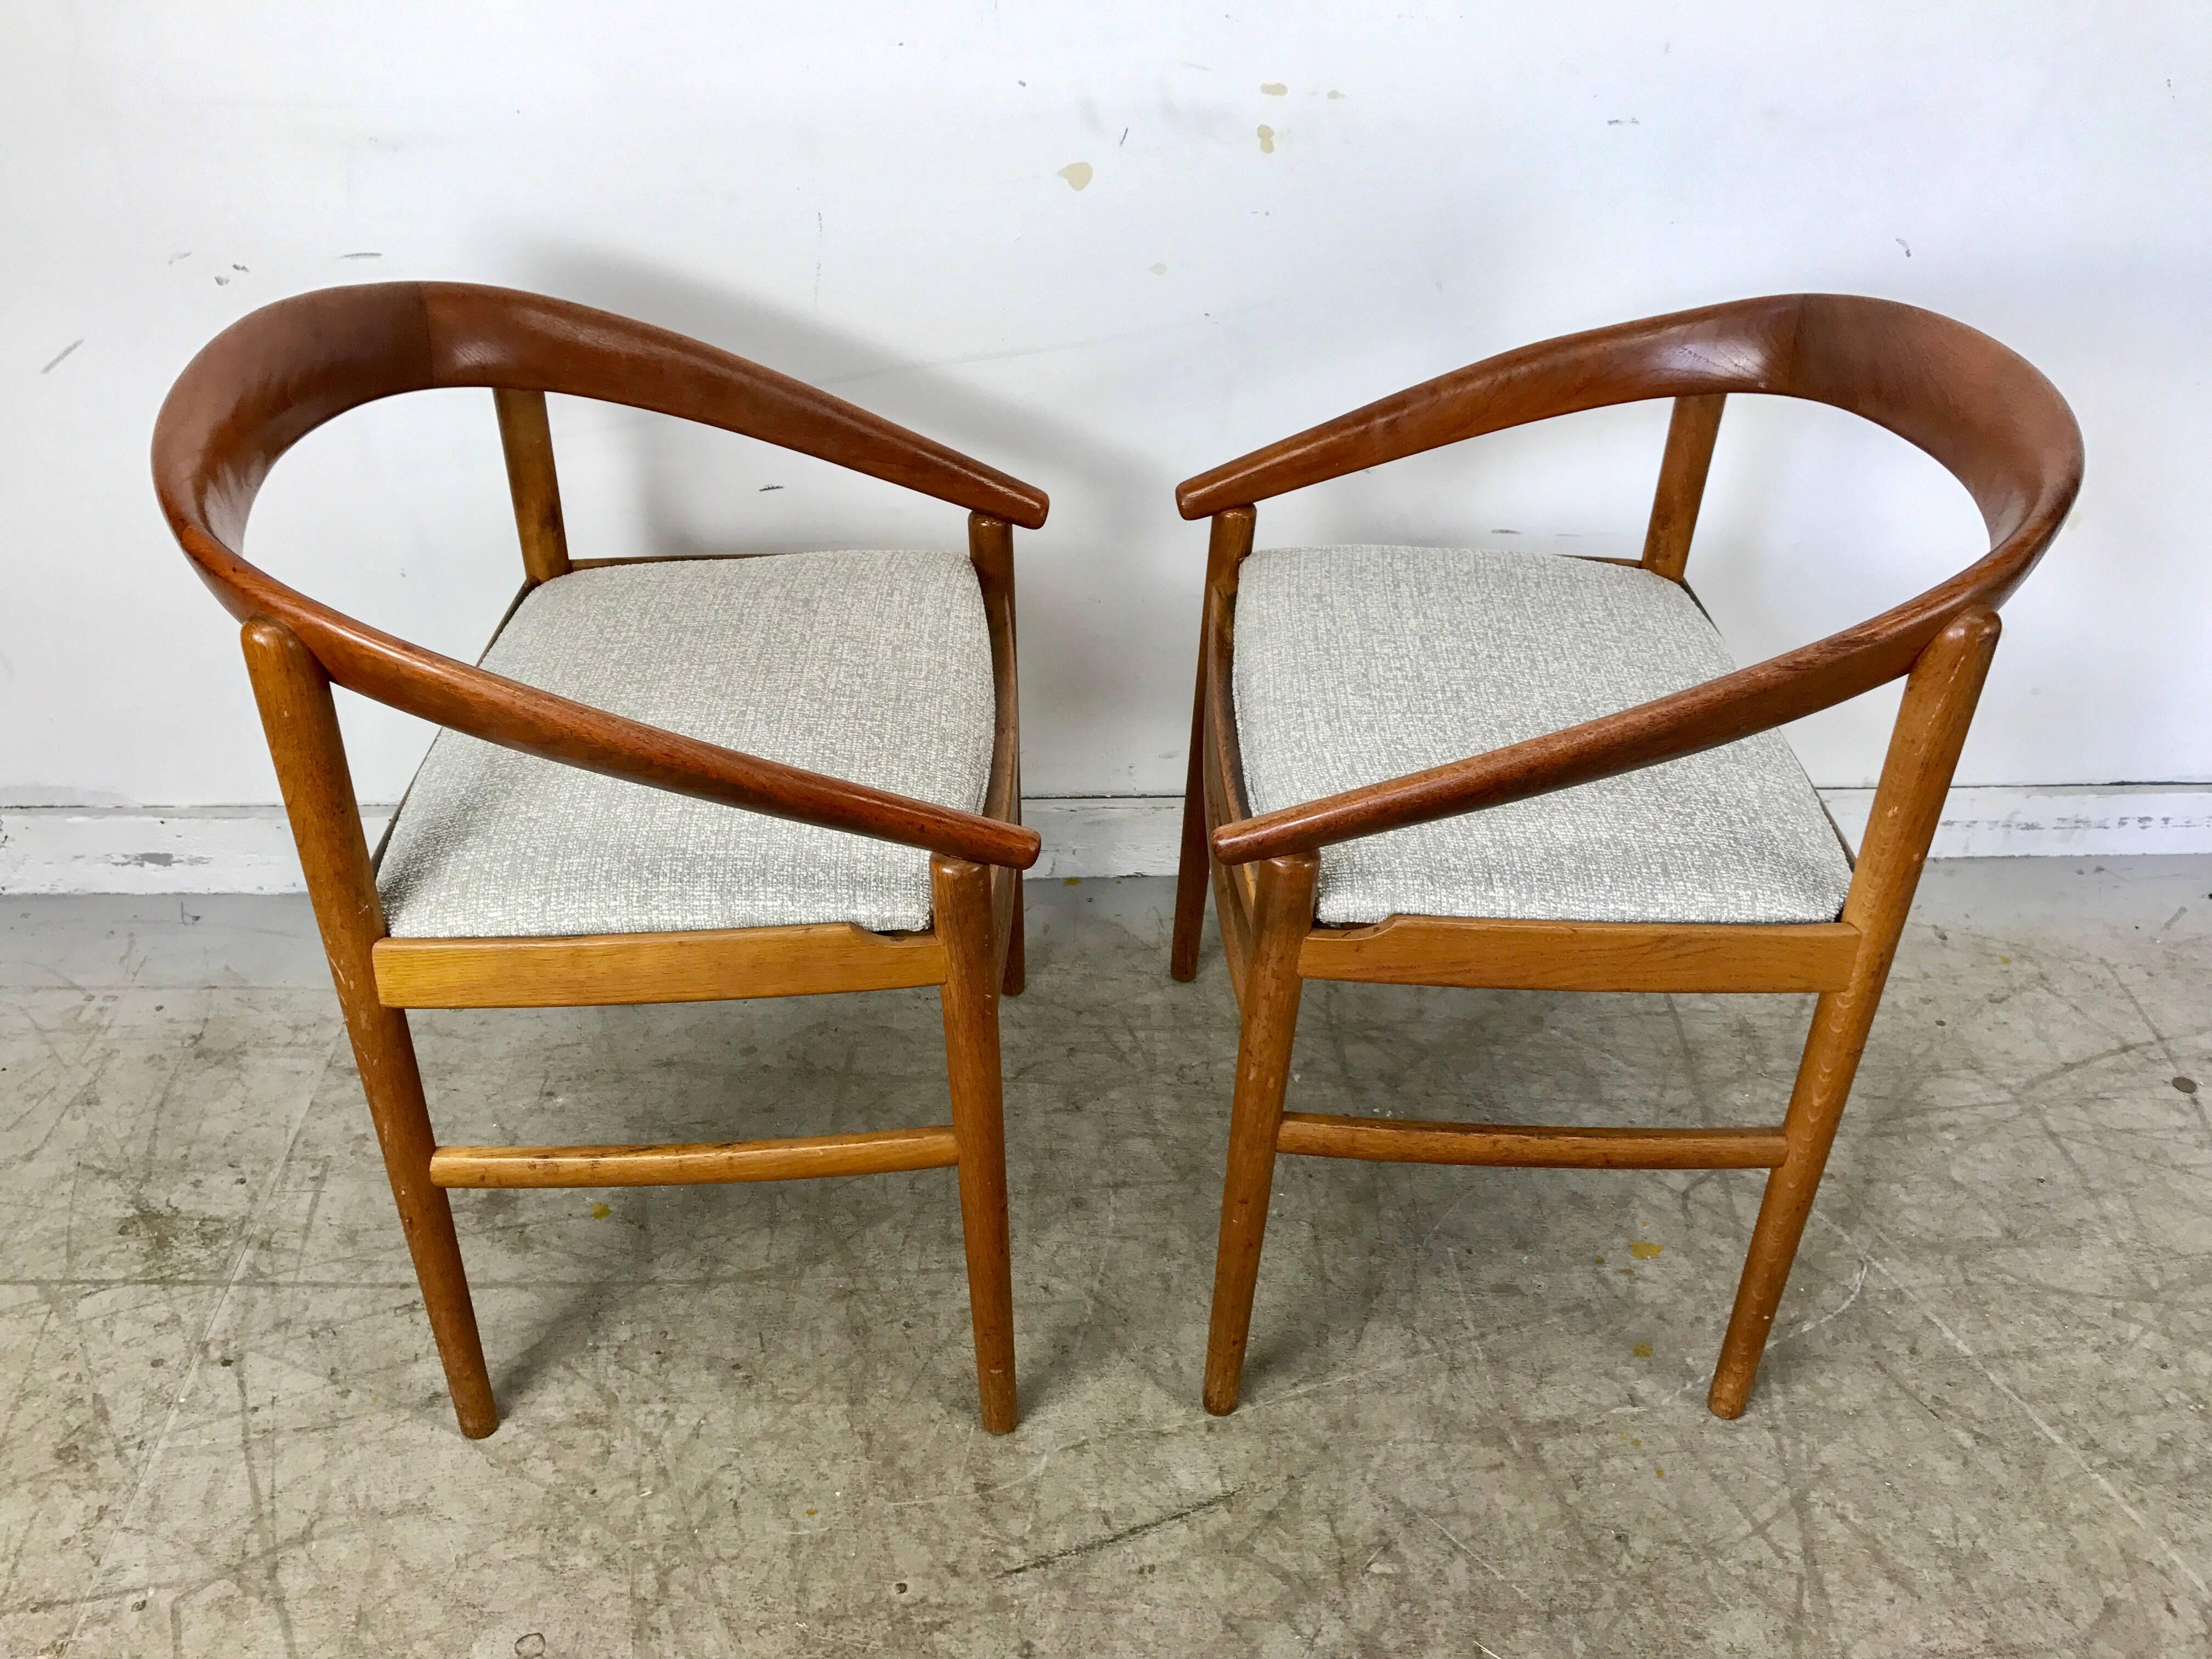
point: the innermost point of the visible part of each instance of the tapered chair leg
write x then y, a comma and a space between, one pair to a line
1281, 919
294, 698
385, 1053
1931, 726
1193, 869
1016, 979
970, 994
1840, 1023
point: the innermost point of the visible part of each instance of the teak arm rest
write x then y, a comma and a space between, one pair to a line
1720, 711
552, 727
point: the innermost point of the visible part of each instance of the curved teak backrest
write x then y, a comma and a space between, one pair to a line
275, 375
1979, 408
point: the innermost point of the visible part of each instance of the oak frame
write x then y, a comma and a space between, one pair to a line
1994, 422
275, 375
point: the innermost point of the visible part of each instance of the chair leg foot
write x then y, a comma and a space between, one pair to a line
1784, 1210
1841, 1023
970, 998
454, 1321
1262, 1070
1758, 1292
1283, 916
394, 1086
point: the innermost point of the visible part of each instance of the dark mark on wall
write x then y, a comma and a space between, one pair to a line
361, 255
1902, 243
764, 488
63, 353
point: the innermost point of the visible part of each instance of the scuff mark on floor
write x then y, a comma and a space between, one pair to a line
1122, 1537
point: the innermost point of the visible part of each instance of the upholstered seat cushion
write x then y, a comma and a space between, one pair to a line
1355, 665
871, 666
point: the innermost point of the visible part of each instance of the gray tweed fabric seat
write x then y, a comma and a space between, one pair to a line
871, 666
1355, 665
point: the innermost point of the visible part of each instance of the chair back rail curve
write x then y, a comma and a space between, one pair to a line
1981, 410
283, 371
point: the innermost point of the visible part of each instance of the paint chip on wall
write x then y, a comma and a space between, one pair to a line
1078, 174
1273, 88
1266, 139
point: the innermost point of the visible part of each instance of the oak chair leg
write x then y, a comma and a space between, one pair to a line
1282, 916
962, 893
1931, 727
297, 712
1193, 871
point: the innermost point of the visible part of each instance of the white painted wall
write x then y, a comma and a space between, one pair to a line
871, 199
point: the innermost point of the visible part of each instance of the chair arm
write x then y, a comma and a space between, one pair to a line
557, 728
521, 717
1719, 711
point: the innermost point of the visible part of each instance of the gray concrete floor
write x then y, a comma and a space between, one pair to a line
742, 1419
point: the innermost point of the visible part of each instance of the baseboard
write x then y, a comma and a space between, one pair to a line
248, 849
1999, 821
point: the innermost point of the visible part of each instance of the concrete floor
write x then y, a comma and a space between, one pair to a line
742, 1419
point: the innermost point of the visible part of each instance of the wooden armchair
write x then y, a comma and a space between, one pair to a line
1339, 690
528, 868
